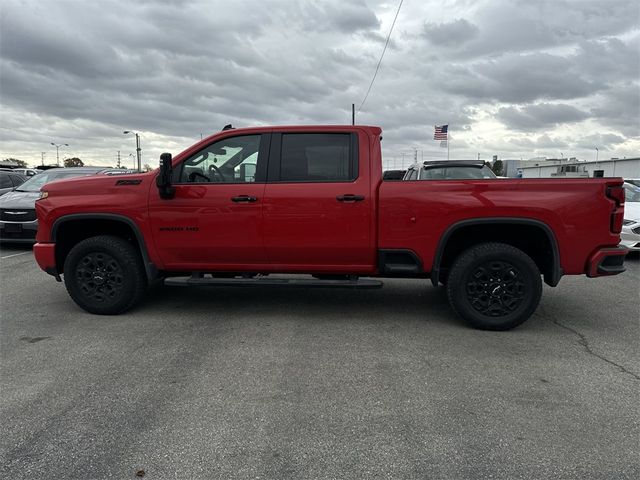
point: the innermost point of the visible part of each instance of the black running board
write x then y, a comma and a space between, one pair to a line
198, 281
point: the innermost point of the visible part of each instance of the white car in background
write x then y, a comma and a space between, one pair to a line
630, 235
27, 172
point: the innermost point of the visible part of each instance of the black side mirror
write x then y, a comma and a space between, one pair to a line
163, 181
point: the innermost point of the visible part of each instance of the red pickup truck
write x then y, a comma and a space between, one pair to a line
244, 205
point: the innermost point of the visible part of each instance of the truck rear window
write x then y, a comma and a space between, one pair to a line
317, 157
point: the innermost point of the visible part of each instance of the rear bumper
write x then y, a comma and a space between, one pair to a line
607, 261
45, 254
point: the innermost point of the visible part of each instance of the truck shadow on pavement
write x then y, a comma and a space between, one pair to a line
398, 301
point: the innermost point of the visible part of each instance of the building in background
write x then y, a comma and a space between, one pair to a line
513, 168
615, 167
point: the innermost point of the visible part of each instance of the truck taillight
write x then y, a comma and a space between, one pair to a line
616, 193
617, 217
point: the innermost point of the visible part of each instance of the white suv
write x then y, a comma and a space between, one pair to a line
630, 235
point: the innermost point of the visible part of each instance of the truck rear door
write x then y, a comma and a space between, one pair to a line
317, 203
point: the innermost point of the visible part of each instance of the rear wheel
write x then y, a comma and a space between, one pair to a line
494, 286
104, 275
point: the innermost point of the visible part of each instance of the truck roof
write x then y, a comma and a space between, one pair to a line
300, 128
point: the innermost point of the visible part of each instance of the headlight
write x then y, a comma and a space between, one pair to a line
43, 195
629, 222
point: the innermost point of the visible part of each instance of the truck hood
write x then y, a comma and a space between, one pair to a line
96, 184
16, 200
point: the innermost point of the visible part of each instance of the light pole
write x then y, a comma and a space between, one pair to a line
597, 152
57, 150
137, 146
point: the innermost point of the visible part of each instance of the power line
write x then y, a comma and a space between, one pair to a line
380, 61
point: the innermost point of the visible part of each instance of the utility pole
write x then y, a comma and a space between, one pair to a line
42, 153
138, 149
118, 158
353, 114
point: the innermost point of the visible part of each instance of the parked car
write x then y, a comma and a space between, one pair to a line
27, 172
9, 181
630, 235
449, 170
17, 208
393, 174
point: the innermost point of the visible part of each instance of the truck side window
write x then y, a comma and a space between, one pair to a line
318, 157
231, 160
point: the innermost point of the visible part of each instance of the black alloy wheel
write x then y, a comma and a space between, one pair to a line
99, 276
494, 286
104, 275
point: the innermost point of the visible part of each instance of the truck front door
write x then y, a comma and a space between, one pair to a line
214, 222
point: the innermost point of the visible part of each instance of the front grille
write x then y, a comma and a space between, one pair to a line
17, 214
23, 235
636, 230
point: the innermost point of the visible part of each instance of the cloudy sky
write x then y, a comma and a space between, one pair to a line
516, 78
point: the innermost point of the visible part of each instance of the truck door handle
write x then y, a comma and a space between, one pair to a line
243, 198
350, 198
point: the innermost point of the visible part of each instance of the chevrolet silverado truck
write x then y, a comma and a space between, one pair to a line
255, 206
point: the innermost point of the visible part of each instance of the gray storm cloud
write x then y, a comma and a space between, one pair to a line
81, 72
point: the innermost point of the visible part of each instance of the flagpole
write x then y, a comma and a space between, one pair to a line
448, 138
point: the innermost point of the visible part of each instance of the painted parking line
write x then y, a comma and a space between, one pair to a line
16, 254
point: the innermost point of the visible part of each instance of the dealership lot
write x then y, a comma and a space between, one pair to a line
281, 383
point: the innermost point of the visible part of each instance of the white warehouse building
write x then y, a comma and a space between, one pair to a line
615, 167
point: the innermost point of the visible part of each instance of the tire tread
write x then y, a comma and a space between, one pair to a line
131, 262
465, 260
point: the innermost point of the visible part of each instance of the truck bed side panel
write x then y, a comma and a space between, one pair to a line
415, 214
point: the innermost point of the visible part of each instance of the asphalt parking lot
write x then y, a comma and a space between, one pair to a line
280, 383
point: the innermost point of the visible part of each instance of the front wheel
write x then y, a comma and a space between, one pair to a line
104, 275
494, 286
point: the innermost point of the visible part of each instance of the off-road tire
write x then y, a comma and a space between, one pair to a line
494, 286
104, 275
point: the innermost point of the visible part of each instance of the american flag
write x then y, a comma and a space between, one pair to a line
440, 132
